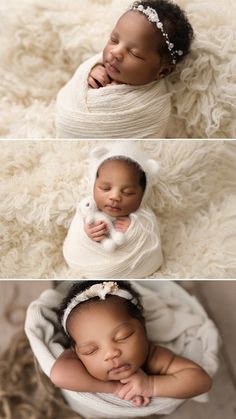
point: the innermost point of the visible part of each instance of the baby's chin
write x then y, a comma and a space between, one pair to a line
114, 213
117, 376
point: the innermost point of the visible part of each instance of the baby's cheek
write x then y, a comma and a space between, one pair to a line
97, 370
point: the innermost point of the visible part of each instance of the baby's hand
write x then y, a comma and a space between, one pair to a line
136, 400
140, 401
96, 231
138, 384
122, 224
98, 77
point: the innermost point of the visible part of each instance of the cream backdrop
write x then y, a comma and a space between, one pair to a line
194, 200
42, 42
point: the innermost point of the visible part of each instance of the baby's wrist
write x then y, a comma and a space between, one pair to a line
113, 386
152, 386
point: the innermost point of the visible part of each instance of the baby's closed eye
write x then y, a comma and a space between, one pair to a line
88, 351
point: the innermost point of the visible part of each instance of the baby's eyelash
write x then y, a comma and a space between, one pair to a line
90, 352
124, 337
104, 189
136, 55
128, 193
114, 40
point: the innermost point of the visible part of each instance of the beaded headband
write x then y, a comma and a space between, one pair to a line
96, 290
153, 17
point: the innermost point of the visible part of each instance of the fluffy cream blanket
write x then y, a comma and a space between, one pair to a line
114, 111
138, 257
173, 320
43, 42
194, 201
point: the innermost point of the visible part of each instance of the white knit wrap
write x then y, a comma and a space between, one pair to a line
138, 257
114, 111
173, 319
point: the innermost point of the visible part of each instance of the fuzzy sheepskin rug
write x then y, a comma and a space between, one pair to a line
42, 42
194, 200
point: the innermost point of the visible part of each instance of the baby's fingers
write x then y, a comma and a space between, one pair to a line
123, 391
98, 238
145, 401
92, 83
127, 393
98, 228
102, 77
130, 395
98, 235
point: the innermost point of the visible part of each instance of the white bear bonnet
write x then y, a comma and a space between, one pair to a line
127, 150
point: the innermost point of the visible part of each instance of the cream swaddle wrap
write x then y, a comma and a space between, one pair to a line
113, 111
173, 319
140, 255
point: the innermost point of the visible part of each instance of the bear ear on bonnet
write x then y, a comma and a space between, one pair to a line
152, 167
99, 151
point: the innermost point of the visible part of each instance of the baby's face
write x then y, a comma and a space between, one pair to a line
117, 190
111, 344
131, 54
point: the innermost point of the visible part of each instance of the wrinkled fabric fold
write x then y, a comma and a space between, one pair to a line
138, 257
113, 111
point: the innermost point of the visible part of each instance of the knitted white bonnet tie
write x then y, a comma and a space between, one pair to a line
97, 290
153, 17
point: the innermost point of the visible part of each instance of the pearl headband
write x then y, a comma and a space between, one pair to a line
153, 17
96, 290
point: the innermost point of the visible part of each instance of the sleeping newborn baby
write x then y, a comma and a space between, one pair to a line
121, 92
121, 178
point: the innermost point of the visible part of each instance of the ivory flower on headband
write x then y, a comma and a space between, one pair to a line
97, 290
153, 17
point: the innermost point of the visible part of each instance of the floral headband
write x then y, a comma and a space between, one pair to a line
153, 17
97, 290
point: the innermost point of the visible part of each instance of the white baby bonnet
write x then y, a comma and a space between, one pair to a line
173, 319
127, 150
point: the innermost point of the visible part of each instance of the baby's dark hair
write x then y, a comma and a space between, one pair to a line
134, 310
141, 173
175, 24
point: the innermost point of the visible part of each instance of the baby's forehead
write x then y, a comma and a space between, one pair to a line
138, 27
113, 305
118, 161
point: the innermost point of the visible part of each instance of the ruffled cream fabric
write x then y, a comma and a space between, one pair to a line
114, 111
138, 257
173, 319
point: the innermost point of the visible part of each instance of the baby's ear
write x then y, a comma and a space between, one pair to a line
98, 152
153, 166
165, 70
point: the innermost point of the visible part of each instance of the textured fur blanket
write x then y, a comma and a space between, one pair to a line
114, 111
43, 42
194, 201
173, 321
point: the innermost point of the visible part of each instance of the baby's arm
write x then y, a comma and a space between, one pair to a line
96, 231
69, 373
168, 375
98, 77
122, 224
178, 377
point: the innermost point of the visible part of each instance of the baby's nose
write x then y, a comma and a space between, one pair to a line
117, 52
111, 353
115, 195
